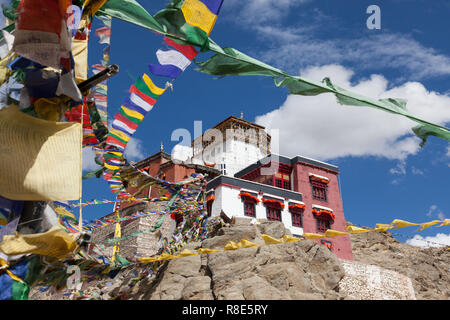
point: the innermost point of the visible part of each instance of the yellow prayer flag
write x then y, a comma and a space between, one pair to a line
445, 222
153, 88
287, 238
40, 159
334, 233
187, 253
148, 259
270, 240
133, 113
64, 212
4, 264
313, 235
112, 167
120, 134
206, 251
117, 234
167, 256
197, 14
246, 244
356, 230
231, 245
55, 243
93, 6
383, 227
428, 224
397, 224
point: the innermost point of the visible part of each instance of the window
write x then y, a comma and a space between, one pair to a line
319, 190
273, 213
209, 208
297, 219
223, 168
279, 183
249, 208
323, 224
282, 181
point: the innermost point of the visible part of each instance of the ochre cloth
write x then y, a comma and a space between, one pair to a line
56, 243
80, 56
40, 159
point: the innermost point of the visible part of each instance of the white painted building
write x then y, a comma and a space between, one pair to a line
231, 145
224, 195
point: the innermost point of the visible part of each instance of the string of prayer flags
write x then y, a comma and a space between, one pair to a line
41, 33
101, 89
143, 95
78, 112
229, 61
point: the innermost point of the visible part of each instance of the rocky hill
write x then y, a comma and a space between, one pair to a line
291, 271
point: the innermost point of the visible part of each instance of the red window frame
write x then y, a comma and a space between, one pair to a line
323, 224
282, 180
297, 219
319, 190
273, 213
209, 208
249, 208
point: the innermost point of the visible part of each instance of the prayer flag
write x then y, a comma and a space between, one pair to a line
198, 14
43, 159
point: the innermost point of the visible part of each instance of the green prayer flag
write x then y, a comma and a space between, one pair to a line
130, 11
230, 61
175, 25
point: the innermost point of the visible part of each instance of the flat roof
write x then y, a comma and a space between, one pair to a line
285, 160
256, 186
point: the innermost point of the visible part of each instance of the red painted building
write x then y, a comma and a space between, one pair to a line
318, 184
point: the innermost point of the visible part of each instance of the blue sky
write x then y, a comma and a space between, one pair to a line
385, 175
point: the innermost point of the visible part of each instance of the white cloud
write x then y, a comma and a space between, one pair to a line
416, 171
261, 11
369, 52
89, 160
400, 169
439, 240
303, 44
435, 211
431, 210
134, 150
181, 152
319, 127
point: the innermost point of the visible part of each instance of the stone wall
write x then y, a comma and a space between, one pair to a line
369, 282
145, 244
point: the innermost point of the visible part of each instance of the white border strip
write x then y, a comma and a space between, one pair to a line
316, 175
321, 207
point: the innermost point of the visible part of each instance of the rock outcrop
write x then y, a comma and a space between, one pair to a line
383, 269
428, 268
